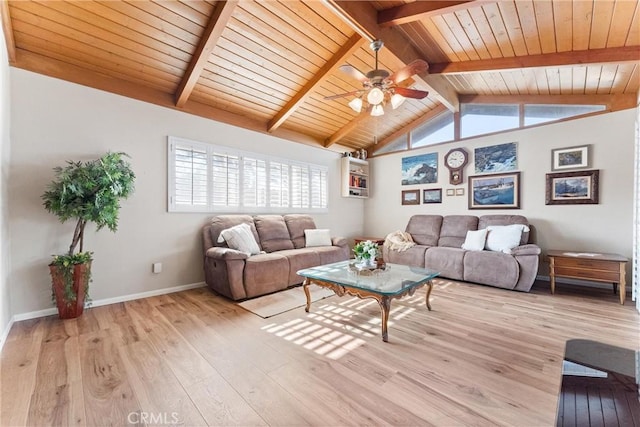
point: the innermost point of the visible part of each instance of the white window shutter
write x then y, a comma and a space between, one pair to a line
190, 176
225, 180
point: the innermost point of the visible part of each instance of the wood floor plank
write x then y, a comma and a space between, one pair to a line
482, 356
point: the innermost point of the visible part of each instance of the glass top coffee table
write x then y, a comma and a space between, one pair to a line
394, 282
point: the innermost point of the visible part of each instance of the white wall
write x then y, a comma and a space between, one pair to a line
54, 121
605, 227
5, 298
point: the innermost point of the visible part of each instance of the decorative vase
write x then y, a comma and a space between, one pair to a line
80, 281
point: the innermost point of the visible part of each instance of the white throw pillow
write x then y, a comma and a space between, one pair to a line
317, 237
503, 238
475, 240
240, 238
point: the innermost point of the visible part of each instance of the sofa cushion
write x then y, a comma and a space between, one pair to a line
413, 256
223, 222
318, 237
454, 229
425, 229
331, 254
240, 238
503, 238
487, 220
446, 261
298, 260
273, 233
296, 224
491, 268
265, 273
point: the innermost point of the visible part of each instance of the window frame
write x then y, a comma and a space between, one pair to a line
312, 170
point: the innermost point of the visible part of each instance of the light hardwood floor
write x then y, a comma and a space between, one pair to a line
483, 356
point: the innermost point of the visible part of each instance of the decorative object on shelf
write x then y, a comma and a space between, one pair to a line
411, 197
498, 191
84, 192
456, 159
363, 154
573, 188
433, 195
366, 253
496, 158
379, 87
459, 191
422, 169
570, 158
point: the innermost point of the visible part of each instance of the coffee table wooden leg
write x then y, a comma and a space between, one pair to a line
429, 287
385, 306
305, 287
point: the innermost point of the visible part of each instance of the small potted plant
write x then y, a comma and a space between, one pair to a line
84, 192
366, 253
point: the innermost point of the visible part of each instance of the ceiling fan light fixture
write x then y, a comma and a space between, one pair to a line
375, 96
356, 104
377, 110
397, 100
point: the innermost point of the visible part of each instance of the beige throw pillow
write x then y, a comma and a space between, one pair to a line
317, 237
503, 238
240, 238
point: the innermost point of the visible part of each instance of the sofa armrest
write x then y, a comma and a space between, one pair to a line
225, 253
339, 241
529, 249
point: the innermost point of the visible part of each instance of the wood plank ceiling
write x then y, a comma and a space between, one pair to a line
268, 65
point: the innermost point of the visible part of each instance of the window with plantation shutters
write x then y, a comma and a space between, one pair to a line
208, 178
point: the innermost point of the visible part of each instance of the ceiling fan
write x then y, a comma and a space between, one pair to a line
380, 87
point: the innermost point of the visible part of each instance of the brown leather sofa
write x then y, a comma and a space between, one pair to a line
439, 247
237, 275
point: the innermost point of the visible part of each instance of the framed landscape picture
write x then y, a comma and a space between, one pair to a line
411, 197
573, 188
433, 195
496, 158
570, 158
497, 191
422, 169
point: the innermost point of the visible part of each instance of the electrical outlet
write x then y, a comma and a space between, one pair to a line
157, 267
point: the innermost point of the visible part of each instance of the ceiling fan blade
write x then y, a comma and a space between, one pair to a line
411, 93
342, 95
415, 67
354, 72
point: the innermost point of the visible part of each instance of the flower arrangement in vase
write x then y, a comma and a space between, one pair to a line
366, 253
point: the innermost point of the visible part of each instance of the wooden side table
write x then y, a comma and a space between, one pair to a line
597, 267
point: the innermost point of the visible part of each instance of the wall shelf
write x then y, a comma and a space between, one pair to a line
355, 178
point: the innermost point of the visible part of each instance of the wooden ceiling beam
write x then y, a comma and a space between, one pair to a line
61, 70
354, 43
411, 12
217, 24
623, 54
7, 29
346, 129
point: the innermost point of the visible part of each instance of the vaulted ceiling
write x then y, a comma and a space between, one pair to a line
268, 65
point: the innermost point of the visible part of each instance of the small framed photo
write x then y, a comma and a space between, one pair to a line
451, 192
433, 195
573, 188
570, 158
459, 191
411, 197
497, 191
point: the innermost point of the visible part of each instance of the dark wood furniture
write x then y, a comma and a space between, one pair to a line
378, 240
597, 267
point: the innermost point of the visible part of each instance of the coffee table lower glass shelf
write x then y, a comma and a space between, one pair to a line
394, 282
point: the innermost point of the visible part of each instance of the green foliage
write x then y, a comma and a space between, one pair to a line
66, 264
366, 250
90, 192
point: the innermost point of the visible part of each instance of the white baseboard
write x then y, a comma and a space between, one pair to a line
96, 303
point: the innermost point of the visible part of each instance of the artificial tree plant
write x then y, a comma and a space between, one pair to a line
84, 192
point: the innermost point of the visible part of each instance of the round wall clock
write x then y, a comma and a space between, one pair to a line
455, 160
